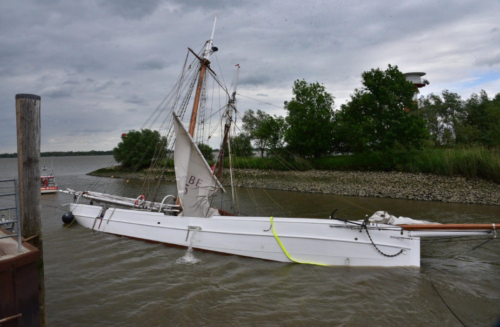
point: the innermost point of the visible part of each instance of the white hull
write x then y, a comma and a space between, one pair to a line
317, 241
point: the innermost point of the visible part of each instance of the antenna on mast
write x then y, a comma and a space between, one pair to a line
213, 28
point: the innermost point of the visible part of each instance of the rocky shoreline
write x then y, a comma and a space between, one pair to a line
396, 185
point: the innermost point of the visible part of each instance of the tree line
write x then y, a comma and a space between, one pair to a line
383, 116
62, 154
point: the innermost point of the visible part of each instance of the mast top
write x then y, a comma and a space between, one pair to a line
209, 48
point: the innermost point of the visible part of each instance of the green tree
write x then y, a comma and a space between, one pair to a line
241, 145
493, 127
274, 129
380, 116
309, 121
480, 121
252, 126
138, 148
442, 114
266, 131
206, 151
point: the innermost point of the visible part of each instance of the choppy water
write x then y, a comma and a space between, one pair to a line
94, 279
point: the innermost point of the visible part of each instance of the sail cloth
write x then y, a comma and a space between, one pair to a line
383, 217
195, 180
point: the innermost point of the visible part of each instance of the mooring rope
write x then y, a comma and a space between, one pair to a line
443, 262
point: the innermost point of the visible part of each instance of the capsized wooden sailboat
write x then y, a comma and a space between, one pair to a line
178, 218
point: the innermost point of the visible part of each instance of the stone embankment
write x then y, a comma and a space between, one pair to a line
395, 185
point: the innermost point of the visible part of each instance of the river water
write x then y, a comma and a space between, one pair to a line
95, 279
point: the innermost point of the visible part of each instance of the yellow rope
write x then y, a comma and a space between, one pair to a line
286, 252
70, 223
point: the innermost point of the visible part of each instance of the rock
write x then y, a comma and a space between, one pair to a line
378, 184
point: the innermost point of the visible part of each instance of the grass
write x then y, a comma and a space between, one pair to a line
476, 162
271, 163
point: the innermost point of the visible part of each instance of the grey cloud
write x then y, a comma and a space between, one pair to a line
136, 100
87, 131
213, 4
254, 79
262, 95
57, 92
74, 133
131, 9
88, 63
489, 61
6, 71
152, 63
93, 130
72, 82
103, 86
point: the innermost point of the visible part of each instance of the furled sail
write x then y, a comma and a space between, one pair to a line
195, 180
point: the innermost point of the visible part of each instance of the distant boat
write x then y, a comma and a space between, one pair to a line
48, 182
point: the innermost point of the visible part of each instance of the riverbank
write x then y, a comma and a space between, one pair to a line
396, 185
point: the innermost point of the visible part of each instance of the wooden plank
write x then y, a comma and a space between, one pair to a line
451, 227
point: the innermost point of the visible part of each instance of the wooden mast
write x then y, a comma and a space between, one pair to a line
194, 114
205, 63
229, 119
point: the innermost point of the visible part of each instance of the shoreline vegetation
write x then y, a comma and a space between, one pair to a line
63, 154
450, 175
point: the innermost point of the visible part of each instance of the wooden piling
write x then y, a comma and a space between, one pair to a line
28, 157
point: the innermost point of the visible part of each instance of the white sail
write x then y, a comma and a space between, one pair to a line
195, 180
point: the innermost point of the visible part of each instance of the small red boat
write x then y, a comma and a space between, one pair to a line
48, 182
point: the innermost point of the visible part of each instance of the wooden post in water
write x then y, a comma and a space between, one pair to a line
28, 158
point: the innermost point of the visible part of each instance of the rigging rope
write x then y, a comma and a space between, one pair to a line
259, 101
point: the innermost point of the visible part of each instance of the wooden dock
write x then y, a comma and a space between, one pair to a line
19, 305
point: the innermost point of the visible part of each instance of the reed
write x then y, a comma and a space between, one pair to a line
476, 162
468, 162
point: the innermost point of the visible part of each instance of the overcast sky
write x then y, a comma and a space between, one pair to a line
102, 66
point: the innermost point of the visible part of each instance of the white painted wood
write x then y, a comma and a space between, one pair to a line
319, 241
